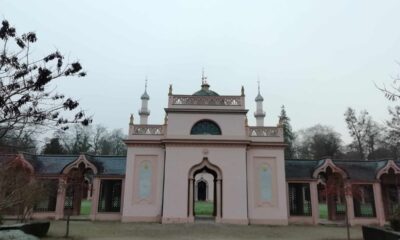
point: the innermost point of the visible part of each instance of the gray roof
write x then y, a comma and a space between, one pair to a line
145, 96
54, 164
300, 169
259, 98
355, 169
205, 91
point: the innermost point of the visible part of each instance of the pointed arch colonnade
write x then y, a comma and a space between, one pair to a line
345, 189
72, 179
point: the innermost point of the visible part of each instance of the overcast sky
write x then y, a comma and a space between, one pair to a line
315, 57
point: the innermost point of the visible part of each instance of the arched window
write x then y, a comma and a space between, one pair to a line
205, 127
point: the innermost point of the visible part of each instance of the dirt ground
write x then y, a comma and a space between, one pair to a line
86, 230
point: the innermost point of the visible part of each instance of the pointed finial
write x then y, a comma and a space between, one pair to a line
131, 120
258, 81
242, 91
170, 90
203, 77
145, 84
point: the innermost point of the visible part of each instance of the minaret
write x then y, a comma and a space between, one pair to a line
144, 112
259, 114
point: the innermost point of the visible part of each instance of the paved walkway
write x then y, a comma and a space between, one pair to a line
83, 230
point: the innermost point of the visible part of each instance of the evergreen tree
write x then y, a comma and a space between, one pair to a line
54, 147
288, 135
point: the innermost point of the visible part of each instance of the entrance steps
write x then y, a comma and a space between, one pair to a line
325, 222
204, 219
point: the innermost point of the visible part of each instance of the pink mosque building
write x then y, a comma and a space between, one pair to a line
206, 151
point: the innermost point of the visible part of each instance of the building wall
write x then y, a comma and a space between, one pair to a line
180, 124
267, 207
231, 161
143, 188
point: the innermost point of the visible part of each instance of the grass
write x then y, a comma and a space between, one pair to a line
87, 230
323, 211
86, 206
202, 208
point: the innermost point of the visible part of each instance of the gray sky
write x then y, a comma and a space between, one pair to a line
315, 57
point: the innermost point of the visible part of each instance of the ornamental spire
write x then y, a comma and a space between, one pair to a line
145, 84
145, 96
144, 111
259, 98
259, 114
203, 78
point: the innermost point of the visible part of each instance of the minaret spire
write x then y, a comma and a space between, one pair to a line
203, 78
259, 114
144, 111
145, 85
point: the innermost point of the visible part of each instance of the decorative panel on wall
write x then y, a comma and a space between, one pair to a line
145, 178
145, 175
265, 182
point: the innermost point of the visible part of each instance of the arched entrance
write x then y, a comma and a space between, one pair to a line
205, 167
77, 185
331, 194
389, 177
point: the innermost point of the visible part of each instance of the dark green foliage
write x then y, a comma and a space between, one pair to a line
54, 147
288, 135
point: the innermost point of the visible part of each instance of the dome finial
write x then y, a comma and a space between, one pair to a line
203, 77
145, 84
259, 98
145, 96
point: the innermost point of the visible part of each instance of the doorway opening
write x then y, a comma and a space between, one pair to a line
332, 202
205, 191
204, 195
78, 191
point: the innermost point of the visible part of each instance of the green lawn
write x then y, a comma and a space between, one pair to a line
86, 206
87, 230
202, 208
323, 211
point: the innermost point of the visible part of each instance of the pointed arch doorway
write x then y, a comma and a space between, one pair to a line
206, 167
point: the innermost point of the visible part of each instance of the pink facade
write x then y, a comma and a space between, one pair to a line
236, 152
206, 137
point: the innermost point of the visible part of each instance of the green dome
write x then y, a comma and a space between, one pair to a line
205, 91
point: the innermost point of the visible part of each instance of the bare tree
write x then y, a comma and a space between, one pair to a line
318, 141
20, 191
25, 95
363, 130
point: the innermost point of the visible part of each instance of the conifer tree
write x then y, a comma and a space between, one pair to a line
288, 135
